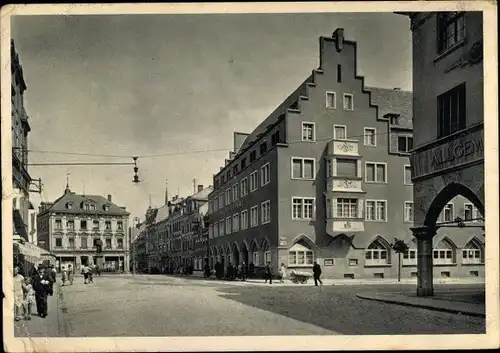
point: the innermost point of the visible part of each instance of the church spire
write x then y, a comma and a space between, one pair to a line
67, 190
166, 191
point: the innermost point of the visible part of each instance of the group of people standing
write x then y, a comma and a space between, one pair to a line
32, 291
231, 272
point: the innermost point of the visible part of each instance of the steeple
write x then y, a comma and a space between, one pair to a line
67, 190
166, 191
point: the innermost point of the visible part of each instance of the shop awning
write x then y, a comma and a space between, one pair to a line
26, 250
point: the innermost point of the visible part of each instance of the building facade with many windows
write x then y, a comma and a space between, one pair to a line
448, 153
326, 177
72, 226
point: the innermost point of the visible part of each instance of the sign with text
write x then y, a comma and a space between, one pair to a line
465, 149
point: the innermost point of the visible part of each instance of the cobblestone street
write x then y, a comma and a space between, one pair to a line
146, 305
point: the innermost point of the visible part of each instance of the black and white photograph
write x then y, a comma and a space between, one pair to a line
278, 177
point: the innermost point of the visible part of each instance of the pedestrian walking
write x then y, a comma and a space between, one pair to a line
282, 271
243, 271
71, 274
85, 272
317, 274
29, 298
268, 273
251, 270
18, 293
92, 270
41, 284
64, 276
52, 273
98, 271
230, 270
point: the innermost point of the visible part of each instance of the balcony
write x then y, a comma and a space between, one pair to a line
340, 184
343, 147
345, 225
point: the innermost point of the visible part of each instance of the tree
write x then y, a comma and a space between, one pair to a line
400, 247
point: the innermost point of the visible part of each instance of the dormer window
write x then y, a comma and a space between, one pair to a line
86, 206
69, 206
92, 207
106, 207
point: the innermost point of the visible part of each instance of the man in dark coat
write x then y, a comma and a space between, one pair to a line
317, 273
251, 270
42, 286
268, 273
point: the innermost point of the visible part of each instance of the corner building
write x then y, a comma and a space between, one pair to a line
324, 178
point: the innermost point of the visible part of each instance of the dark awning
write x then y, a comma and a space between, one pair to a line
19, 226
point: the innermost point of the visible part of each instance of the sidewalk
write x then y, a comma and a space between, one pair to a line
51, 326
471, 303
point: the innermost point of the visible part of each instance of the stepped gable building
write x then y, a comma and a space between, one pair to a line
70, 226
448, 155
326, 177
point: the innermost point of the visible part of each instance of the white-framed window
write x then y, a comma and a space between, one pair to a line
221, 201
228, 197
376, 210
228, 225
468, 211
254, 216
472, 253
254, 180
300, 255
443, 253
303, 208
235, 191
348, 101
265, 209
244, 186
236, 222
265, 174
407, 172
346, 208
331, 102
377, 254
370, 136
256, 258
408, 211
267, 256
347, 167
244, 219
375, 172
448, 214
410, 257
221, 227
308, 131
303, 168
339, 132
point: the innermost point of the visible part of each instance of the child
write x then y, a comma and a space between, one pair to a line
29, 298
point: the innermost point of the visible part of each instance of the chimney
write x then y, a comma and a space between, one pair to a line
338, 35
109, 198
200, 187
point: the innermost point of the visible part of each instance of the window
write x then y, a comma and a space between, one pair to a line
58, 242
71, 243
70, 224
471, 254
83, 224
407, 172
119, 225
330, 100
87, 207
243, 163
228, 225
244, 219
69, 205
253, 156
265, 209
410, 257
353, 262
92, 207
451, 114
216, 230
303, 168
376, 210
339, 132
448, 213
308, 133
256, 258
346, 208
254, 183
107, 225
106, 208
221, 201
348, 102
228, 197
210, 231
375, 172
265, 174
119, 243
244, 187
405, 144
376, 254
339, 73
370, 136
263, 148
254, 216
235, 192
451, 29
236, 222
221, 227
443, 254
58, 224
108, 243
95, 224
299, 255
83, 242
347, 167
275, 138
302, 208
468, 207
267, 256
408, 211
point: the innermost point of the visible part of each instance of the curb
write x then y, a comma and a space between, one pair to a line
422, 306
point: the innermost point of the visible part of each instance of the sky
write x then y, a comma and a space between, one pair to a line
140, 85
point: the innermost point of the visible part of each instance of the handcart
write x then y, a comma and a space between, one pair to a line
300, 277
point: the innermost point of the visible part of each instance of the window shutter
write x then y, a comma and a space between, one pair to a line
360, 208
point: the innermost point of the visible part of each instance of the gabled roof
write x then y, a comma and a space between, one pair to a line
162, 213
201, 195
394, 101
59, 205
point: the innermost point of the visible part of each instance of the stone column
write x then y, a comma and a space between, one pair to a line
425, 280
126, 265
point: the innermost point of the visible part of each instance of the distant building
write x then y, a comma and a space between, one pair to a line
71, 226
448, 154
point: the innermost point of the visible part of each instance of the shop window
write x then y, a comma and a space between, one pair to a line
443, 253
472, 253
410, 257
377, 254
300, 255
